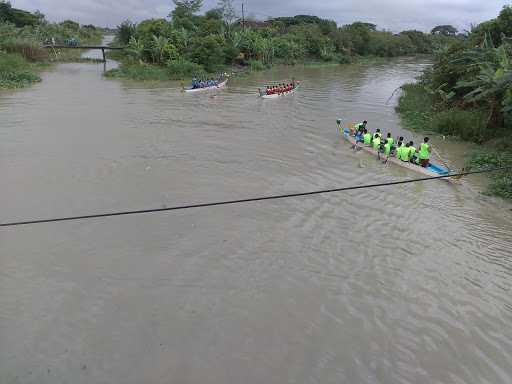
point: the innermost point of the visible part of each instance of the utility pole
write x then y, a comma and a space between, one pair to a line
243, 17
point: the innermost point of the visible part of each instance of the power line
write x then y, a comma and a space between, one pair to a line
247, 200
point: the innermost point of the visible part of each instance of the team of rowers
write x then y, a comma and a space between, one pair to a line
208, 82
402, 150
278, 89
282, 88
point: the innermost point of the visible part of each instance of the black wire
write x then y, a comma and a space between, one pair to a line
248, 200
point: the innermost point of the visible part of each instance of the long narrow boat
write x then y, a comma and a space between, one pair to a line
192, 90
431, 170
276, 95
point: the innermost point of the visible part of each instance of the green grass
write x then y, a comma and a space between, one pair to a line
415, 107
16, 72
469, 125
22, 59
419, 112
141, 72
174, 70
501, 182
256, 65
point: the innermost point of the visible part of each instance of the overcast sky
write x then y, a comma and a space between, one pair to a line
395, 15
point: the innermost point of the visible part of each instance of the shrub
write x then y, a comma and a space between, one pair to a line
256, 65
344, 59
12, 61
501, 182
175, 70
414, 106
15, 72
466, 124
180, 69
125, 31
208, 51
29, 49
138, 71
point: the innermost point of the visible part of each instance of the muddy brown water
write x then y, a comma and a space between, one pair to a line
405, 284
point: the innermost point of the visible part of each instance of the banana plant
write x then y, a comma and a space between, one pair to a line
136, 49
493, 83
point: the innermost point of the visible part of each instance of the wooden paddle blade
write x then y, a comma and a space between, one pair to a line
459, 176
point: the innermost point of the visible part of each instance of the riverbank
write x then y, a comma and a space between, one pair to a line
467, 93
19, 71
184, 69
22, 56
16, 72
419, 111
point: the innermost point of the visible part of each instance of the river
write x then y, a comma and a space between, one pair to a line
403, 284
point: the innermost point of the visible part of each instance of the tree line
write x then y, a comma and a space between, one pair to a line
219, 38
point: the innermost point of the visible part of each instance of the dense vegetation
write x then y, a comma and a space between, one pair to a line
468, 93
191, 43
21, 36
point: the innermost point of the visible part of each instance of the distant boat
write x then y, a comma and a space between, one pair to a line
276, 95
220, 85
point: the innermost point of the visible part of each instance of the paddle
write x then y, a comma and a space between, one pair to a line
440, 158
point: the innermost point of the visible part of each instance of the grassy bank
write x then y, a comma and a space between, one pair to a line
22, 35
173, 70
21, 61
182, 69
497, 153
421, 110
17, 72
467, 93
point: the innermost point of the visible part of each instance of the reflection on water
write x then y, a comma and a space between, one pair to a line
408, 284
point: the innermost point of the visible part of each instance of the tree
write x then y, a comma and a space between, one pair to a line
208, 51
493, 83
162, 50
420, 41
40, 17
495, 28
445, 30
71, 25
358, 35
136, 49
18, 17
183, 14
227, 10
125, 31
186, 8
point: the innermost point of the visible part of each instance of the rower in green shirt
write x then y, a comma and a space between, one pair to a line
367, 137
424, 153
376, 142
405, 153
389, 139
412, 152
387, 148
398, 151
